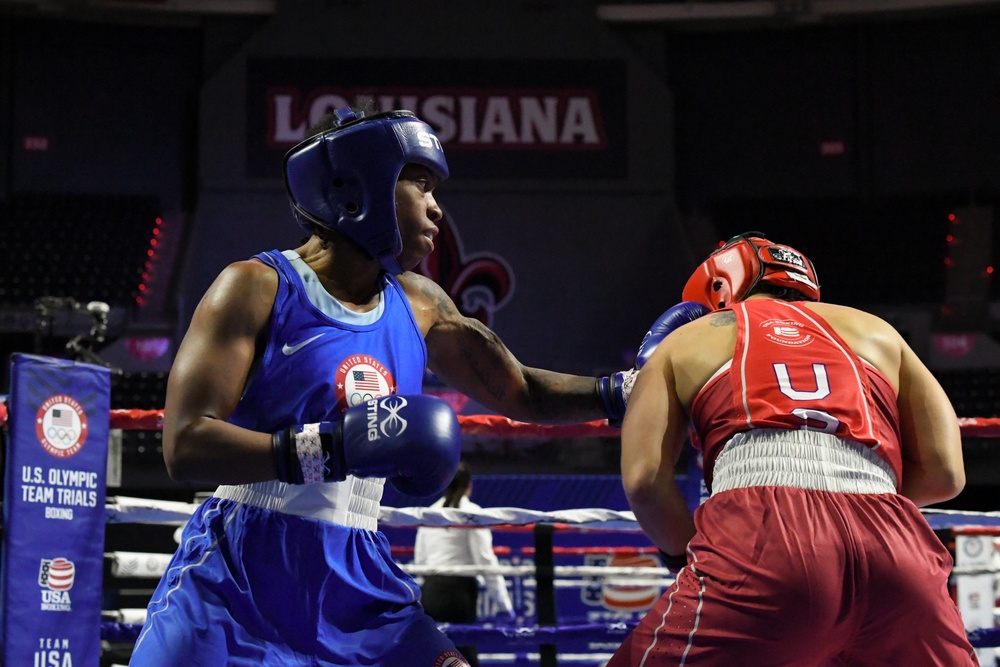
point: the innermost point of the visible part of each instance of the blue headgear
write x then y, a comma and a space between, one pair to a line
344, 179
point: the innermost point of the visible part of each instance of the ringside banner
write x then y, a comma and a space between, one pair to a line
496, 119
53, 512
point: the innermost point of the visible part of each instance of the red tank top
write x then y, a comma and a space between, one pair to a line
791, 370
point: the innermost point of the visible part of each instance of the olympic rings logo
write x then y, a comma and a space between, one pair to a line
61, 426
62, 435
357, 398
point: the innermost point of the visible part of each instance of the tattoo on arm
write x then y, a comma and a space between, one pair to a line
483, 360
724, 318
478, 349
436, 296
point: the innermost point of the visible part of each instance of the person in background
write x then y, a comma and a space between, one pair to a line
454, 598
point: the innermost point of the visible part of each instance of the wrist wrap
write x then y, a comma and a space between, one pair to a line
307, 454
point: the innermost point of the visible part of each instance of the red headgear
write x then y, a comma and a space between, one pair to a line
732, 271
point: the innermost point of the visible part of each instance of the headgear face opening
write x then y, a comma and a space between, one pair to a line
344, 179
731, 272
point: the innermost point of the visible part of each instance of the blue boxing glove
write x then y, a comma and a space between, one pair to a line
673, 318
413, 441
615, 389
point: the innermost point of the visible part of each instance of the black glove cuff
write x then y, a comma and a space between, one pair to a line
674, 563
609, 390
286, 460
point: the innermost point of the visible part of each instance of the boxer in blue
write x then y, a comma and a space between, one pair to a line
297, 388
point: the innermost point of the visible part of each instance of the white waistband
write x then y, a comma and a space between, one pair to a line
801, 459
354, 503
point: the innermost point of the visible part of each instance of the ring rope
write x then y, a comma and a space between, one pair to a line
133, 564
497, 426
138, 565
125, 509
114, 631
491, 516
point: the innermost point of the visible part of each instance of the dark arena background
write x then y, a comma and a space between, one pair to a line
598, 150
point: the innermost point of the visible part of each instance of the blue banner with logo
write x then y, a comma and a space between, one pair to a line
54, 517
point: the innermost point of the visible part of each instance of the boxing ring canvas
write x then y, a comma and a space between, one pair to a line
53, 512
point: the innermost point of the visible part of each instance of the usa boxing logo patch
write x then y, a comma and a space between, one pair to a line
361, 378
55, 577
786, 332
61, 426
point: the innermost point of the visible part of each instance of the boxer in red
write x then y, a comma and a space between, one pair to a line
821, 433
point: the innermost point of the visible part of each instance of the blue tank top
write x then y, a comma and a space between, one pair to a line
314, 367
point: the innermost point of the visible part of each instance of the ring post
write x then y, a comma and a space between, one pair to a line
52, 563
545, 588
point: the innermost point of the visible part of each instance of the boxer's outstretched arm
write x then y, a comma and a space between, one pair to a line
471, 358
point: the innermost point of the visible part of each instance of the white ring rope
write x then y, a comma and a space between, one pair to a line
139, 565
522, 570
492, 516
123, 509
130, 615
928, 510
971, 569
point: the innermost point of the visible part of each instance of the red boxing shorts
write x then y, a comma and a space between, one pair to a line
785, 577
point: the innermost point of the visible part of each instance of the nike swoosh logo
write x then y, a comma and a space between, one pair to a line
292, 349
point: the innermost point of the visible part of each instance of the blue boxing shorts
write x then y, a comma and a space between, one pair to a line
256, 587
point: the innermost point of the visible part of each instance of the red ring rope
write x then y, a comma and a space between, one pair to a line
495, 425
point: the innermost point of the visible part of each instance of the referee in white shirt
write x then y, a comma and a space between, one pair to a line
452, 599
